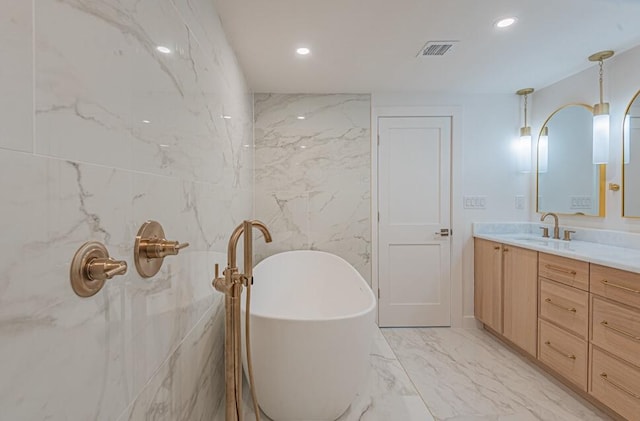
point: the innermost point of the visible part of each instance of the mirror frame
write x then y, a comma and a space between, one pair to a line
602, 175
624, 119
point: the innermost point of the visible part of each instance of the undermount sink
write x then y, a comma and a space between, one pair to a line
545, 242
541, 241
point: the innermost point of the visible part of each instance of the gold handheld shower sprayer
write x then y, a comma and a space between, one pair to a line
231, 284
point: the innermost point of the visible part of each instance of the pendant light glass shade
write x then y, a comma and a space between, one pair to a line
601, 139
543, 151
524, 150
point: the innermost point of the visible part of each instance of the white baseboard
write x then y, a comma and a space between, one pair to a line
470, 322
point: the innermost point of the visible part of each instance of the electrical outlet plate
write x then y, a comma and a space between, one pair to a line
519, 202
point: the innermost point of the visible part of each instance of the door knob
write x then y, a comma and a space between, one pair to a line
91, 267
151, 248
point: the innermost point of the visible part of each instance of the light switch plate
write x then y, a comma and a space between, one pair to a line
519, 202
474, 202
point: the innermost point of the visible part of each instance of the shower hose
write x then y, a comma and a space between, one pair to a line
248, 346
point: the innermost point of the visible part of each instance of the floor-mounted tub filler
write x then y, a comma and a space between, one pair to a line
231, 284
311, 331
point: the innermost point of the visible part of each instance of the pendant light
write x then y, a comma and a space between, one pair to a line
601, 117
524, 144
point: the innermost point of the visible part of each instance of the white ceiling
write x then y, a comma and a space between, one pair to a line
361, 46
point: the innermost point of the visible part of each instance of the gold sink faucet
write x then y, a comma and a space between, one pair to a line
556, 228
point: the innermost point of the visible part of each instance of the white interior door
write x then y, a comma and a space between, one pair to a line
414, 182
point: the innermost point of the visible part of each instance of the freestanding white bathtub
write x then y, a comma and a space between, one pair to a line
311, 332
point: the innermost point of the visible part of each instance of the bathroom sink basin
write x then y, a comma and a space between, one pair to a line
545, 242
540, 241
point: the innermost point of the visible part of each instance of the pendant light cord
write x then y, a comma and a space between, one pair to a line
601, 73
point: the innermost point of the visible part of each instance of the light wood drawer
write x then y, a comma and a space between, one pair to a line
615, 383
565, 306
616, 328
567, 271
563, 352
616, 284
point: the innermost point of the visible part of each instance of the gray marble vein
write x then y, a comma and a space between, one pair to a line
111, 134
312, 164
189, 384
465, 374
123, 20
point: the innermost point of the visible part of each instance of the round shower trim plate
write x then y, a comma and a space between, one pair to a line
150, 230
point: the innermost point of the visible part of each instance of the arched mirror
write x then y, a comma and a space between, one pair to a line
631, 159
568, 181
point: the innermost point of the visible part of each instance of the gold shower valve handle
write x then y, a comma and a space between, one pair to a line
101, 269
151, 248
91, 267
160, 248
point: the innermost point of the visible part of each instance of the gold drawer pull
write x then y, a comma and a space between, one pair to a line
548, 300
620, 331
560, 269
548, 343
607, 283
604, 377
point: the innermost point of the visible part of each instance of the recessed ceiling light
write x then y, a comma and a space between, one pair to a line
246, 146
226, 117
146, 121
303, 51
301, 117
163, 49
506, 22
162, 145
303, 147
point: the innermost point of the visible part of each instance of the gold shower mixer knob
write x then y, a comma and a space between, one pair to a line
151, 248
158, 249
91, 267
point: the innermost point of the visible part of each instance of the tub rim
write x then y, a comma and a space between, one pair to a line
359, 314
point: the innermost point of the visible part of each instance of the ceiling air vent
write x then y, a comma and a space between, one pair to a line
436, 48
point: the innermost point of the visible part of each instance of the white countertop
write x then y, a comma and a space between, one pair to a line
602, 254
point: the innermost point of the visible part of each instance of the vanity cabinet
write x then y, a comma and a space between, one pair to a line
563, 303
615, 339
520, 276
488, 283
505, 291
579, 320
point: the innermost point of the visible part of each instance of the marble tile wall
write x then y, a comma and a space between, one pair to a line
312, 175
99, 132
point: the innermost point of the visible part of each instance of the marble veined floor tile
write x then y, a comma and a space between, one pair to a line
466, 374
